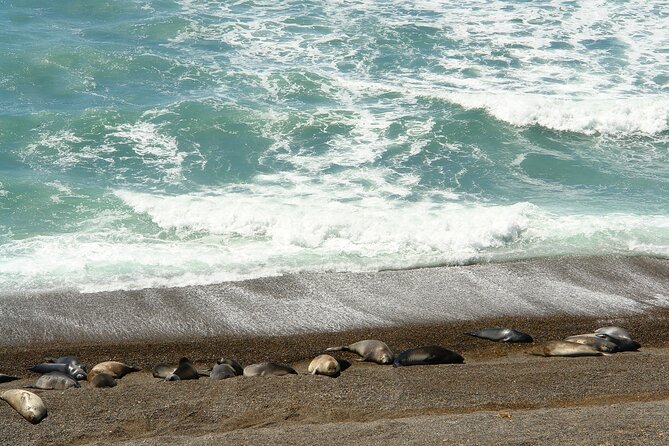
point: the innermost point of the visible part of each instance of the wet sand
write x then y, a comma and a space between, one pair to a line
499, 396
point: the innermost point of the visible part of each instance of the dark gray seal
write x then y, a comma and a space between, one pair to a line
103, 380
501, 335
185, 370
54, 381
268, 369
429, 355
237, 367
222, 371
370, 349
7, 378
623, 344
47, 367
70, 360
30, 406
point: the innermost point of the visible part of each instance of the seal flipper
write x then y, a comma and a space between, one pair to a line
343, 348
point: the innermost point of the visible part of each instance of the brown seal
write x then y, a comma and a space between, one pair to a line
116, 369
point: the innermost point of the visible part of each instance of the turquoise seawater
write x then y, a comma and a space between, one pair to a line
165, 143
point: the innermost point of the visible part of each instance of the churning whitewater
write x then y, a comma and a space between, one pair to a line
169, 143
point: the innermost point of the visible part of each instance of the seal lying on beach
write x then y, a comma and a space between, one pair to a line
370, 349
429, 355
70, 360
7, 378
237, 367
102, 380
324, 365
116, 369
54, 381
598, 343
564, 348
621, 337
222, 371
30, 406
615, 332
501, 335
185, 370
75, 372
163, 370
268, 369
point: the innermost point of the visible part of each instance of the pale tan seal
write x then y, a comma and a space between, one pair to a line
564, 348
268, 369
116, 369
325, 365
30, 406
598, 343
370, 349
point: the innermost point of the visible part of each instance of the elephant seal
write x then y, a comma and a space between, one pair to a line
429, 355
222, 371
565, 348
163, 370
75, 372
237, 367
116, 369
102, 380
30, 406
615, 332
54, 381
185, 370
370, 349
268, 369
7, 378
591, 339
623, 344
71, 360
325, 365
501, 335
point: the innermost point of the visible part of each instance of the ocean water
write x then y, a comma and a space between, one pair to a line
184, 142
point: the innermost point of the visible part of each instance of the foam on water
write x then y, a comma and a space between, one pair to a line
194, 141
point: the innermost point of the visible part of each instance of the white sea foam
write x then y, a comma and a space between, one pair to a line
541, 64
151, 146
217, 236
648, 115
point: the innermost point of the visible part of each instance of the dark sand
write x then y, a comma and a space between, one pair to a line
500, 396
